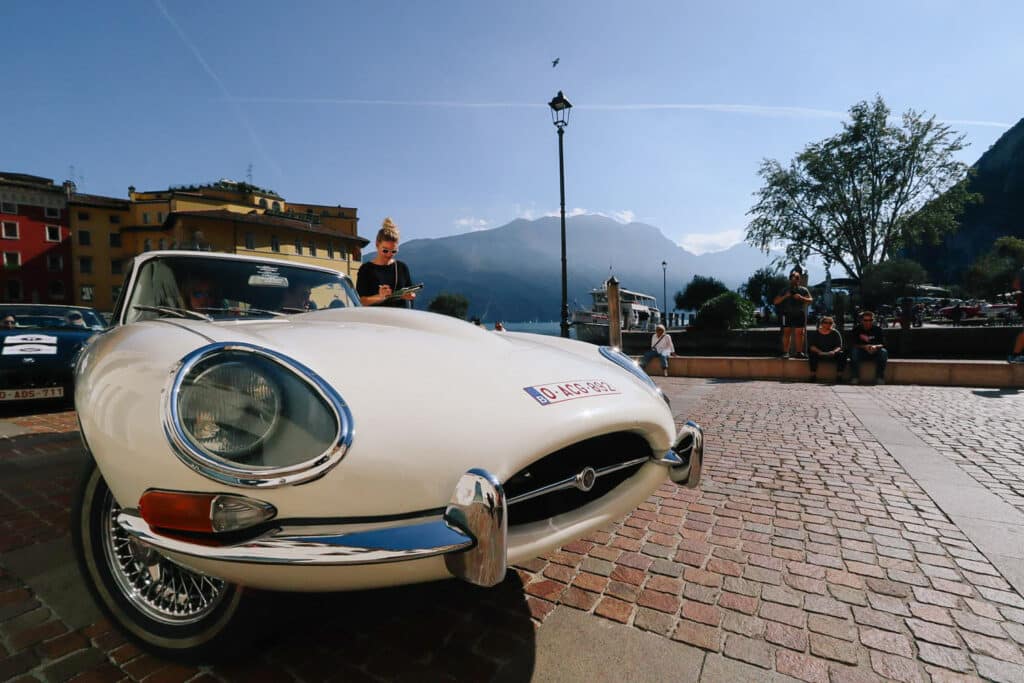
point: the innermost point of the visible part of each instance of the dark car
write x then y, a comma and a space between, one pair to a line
39, 345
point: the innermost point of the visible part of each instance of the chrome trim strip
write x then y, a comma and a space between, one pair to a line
313, 545
479, 510
570, 482
226, 472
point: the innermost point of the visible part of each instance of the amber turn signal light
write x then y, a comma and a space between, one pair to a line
202, 512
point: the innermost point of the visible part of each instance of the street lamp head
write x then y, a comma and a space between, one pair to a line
664, 264
560, 110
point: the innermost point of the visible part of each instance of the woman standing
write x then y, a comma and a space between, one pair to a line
385, 274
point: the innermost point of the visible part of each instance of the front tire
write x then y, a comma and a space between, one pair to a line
164, 607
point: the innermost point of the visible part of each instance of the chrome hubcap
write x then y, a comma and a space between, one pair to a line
161, 589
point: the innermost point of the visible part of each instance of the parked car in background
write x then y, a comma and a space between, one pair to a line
38, 348
237, 438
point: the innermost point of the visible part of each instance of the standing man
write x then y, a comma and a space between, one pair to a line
868, 344
1018, 345
791, 305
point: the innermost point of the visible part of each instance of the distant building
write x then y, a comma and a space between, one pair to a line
34, 240
224, 216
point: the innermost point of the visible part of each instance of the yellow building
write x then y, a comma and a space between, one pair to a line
223, 216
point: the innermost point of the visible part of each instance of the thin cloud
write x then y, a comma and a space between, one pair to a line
723, 108
472, 224
235, 103
704, 242
624, 216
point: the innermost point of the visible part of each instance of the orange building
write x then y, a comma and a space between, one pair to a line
224, 216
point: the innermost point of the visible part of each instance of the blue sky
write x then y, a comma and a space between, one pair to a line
435, 113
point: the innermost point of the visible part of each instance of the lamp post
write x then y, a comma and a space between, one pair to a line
664, 293
560, 117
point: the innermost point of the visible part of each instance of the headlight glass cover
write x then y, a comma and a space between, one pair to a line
628, 364
249, 416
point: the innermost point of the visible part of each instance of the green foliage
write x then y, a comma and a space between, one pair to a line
726, 311
992, 273
455, 305
858, 197
763, 285
884, 283
700, 290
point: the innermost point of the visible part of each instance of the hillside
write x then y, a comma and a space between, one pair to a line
999, 178
514, 272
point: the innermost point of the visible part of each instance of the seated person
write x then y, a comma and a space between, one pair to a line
868, 344
827, 344
297, 299
661, 347
74, 319
199, 295
10, 322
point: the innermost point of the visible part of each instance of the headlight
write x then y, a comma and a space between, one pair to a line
628, 364
249, 416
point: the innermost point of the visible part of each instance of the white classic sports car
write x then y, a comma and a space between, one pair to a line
250, 424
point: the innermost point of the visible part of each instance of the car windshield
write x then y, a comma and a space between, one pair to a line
217, 288
51, 318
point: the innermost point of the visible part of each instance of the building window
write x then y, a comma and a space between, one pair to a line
8, 207
275, 244
117, 267
14, 290
85, 265
298, 246
250, 241
83, 215
54, 263
159, 216
115, 219
263, 202
115, 239
344, 256
145, 218
51, 212
56, 289
10, 230
163, 243
12, 259
147, 244
312, 248
53, 233
84, 238
86, 292
276, 206
330, 249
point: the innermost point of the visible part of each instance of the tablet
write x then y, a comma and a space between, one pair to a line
399, 293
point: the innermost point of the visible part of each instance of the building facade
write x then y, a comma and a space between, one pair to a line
35, 240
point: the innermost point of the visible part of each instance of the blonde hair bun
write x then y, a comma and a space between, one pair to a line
388, 231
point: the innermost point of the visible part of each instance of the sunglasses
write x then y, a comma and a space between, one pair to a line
388, 251
75, 317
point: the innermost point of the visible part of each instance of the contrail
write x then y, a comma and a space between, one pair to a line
253, 138
750, 109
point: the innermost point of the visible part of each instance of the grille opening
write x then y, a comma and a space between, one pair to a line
597, 452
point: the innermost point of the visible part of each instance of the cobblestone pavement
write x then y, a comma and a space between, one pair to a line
808, 552
981, 430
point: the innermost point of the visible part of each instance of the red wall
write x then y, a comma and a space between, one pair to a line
31, 243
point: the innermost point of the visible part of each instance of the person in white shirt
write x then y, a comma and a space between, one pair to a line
661, 347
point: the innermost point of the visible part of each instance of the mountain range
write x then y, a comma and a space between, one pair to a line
514, 272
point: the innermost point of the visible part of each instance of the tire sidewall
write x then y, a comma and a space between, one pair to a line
186, 640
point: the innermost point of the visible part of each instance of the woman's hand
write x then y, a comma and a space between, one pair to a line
409, 296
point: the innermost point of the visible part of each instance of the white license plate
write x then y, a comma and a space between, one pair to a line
31, 394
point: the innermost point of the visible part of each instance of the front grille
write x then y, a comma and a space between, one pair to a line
597, 453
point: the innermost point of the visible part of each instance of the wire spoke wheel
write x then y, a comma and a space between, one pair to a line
161, 589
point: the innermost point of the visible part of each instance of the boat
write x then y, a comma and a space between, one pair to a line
638, 312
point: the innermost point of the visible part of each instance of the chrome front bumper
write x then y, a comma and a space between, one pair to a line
472, 534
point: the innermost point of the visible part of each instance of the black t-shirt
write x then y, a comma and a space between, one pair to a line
371, 277
791, 306
827, 342
861, 336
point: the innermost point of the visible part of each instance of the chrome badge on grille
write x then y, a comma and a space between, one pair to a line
586, 478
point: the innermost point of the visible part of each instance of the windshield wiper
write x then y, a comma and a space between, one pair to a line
257, 311
177, 312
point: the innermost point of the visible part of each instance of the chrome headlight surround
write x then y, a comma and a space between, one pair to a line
632, 367
235, 474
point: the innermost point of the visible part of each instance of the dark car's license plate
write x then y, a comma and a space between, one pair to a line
30, 394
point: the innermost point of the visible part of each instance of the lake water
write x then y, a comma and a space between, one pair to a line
550, 328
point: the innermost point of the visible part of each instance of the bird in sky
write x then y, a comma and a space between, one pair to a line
555, 62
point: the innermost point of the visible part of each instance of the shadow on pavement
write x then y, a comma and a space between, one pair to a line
995, 393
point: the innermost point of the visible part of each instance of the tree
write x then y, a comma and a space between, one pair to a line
992, 273
455, 305
763, 285
884, 283
699, 290
725, 311
858, 197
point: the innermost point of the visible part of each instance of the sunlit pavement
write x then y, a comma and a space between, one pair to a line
842, 533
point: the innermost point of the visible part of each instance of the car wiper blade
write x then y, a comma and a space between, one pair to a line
177, 312
246, 311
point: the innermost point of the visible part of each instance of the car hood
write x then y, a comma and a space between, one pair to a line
432, 397
43, 346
